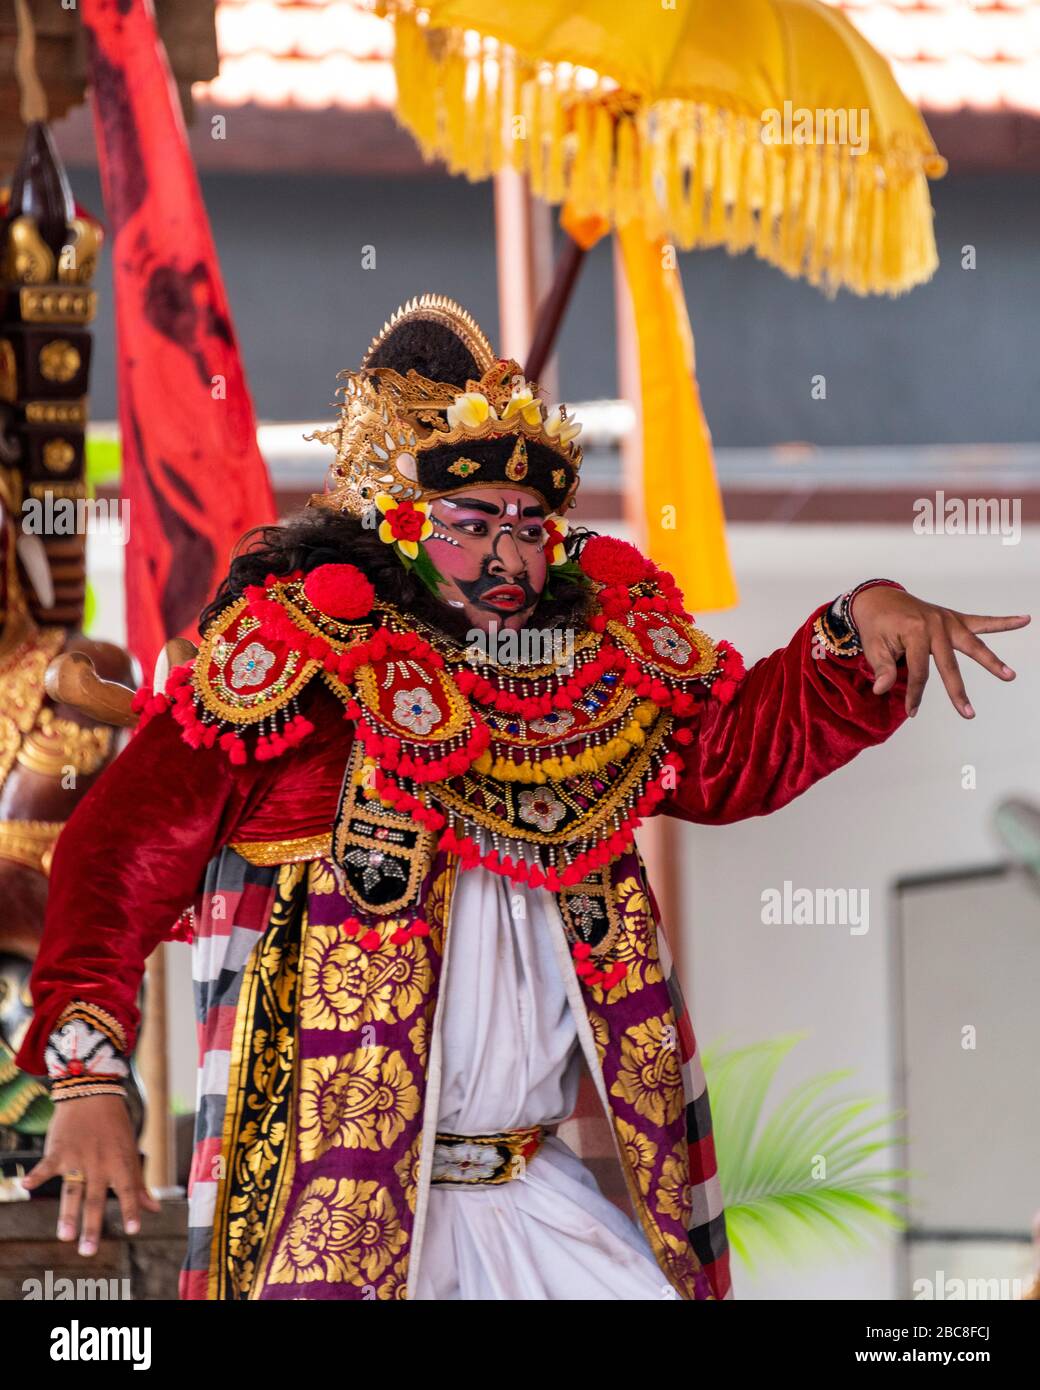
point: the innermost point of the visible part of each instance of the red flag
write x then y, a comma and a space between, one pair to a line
193, 475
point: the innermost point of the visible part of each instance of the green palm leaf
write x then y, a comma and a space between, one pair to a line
797, 1182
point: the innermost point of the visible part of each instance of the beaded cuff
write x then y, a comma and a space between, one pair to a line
834, 634
84, 1054
834, 628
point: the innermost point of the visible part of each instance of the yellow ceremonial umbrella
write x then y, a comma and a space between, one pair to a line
769, 125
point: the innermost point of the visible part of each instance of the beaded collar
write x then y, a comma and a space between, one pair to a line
540, 773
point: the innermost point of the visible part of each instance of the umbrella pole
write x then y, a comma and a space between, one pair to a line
553, 307
523, 237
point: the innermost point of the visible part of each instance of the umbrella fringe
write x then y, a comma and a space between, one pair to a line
697, 172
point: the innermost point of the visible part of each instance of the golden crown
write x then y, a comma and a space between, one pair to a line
416, 439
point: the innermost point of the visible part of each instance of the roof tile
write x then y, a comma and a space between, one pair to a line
947, 54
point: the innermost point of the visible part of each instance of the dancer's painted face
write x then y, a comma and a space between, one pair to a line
488, 544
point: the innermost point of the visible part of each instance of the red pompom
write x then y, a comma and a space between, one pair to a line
610, 561
341, 591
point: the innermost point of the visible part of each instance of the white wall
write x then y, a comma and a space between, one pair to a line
896, 810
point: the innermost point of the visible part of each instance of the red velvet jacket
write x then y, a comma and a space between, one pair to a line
133, 853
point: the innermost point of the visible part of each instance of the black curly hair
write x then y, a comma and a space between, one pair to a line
319, 537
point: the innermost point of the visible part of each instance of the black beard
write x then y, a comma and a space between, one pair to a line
473, 588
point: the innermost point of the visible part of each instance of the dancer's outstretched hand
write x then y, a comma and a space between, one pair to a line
894, 624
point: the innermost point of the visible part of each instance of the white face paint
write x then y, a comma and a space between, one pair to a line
488, 545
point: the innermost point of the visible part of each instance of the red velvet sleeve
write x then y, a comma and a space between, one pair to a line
794, 719
126, 865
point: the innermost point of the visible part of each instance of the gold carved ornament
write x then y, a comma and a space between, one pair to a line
28, 260
8, 372
56, 488
32, 736
30, 843
22, 693
77, 263
58, 455
59, 360
55, 412
56, 745
48, 305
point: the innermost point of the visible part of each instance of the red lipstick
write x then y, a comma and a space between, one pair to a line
509, 597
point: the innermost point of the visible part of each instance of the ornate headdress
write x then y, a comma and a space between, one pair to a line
432, 411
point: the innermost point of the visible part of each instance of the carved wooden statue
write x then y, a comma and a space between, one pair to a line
50, 751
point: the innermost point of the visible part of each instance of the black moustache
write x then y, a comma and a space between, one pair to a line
474, 589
